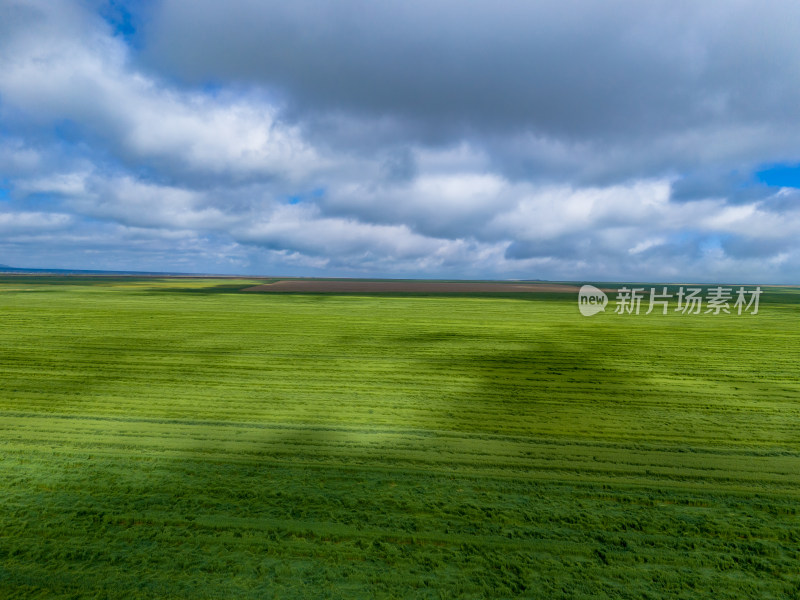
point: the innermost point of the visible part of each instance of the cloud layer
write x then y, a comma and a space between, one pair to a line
555, 140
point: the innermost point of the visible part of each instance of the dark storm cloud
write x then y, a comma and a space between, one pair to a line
576, 69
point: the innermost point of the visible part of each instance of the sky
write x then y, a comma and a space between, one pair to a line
563, 140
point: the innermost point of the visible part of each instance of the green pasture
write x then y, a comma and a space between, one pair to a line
170, 438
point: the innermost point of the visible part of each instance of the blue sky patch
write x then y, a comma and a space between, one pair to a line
119, 17
780, 176
312, 195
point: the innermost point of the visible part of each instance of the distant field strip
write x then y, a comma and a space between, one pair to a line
356, 286
182, 439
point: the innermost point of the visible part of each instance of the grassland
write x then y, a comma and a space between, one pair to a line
183, 439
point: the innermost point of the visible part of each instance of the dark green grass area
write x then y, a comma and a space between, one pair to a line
164, 438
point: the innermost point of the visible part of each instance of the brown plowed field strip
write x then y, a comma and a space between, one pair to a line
352, 286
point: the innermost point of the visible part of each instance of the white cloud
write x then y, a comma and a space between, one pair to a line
69, 184
81, 74
14, 223
132, 202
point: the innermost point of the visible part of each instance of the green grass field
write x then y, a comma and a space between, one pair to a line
183, 439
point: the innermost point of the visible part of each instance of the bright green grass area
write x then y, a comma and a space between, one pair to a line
184, 439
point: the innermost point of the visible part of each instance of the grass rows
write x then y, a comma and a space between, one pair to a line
183, 439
